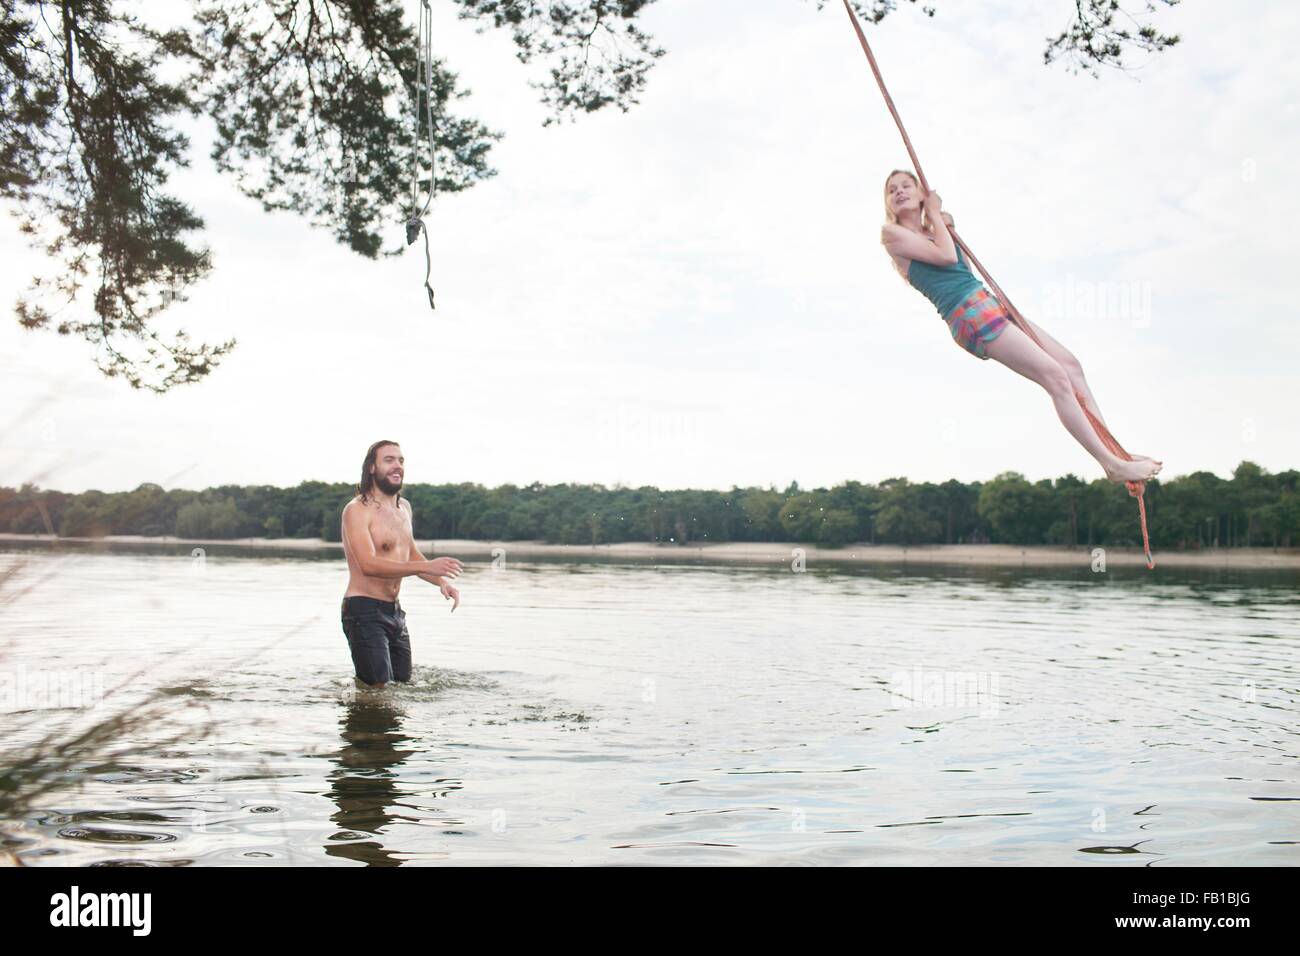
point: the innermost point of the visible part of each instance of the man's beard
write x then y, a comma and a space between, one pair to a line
388, 487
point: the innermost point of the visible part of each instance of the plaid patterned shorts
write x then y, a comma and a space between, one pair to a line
977, 321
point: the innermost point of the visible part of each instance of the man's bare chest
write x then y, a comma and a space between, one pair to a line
391, 533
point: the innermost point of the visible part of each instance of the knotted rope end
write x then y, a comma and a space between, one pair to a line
413, 227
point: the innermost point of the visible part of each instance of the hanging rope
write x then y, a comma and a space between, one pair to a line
423, 128
1135, 488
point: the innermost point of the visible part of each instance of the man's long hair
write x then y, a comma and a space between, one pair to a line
367, 483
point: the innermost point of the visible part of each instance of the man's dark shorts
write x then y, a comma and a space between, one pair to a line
377, 636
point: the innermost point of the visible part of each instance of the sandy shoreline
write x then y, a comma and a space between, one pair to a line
769, 553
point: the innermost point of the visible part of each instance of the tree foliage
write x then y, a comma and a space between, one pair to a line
87, 150
1102, 32
311, 101
1252, 509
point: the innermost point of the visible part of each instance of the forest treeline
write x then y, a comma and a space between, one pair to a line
1252, 509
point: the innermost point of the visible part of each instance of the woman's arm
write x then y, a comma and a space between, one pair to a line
942, 237
902, 243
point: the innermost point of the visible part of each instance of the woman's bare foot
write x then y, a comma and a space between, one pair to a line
1140, 469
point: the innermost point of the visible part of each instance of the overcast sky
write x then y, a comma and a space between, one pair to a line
693, 294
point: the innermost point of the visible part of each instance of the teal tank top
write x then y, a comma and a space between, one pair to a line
946, 286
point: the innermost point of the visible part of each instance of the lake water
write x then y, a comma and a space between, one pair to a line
663, 714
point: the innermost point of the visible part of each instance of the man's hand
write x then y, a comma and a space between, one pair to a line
444, 567
451, 594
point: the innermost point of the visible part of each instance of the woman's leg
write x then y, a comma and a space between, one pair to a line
1074, 369
1017, 351
1071, 365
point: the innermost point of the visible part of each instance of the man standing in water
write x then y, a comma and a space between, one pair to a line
380, 548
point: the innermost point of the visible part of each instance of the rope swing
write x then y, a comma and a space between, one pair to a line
423, 128
1136, 489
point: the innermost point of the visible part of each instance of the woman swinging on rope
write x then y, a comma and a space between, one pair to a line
933, 264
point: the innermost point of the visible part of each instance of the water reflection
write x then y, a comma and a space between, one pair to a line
364, 783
